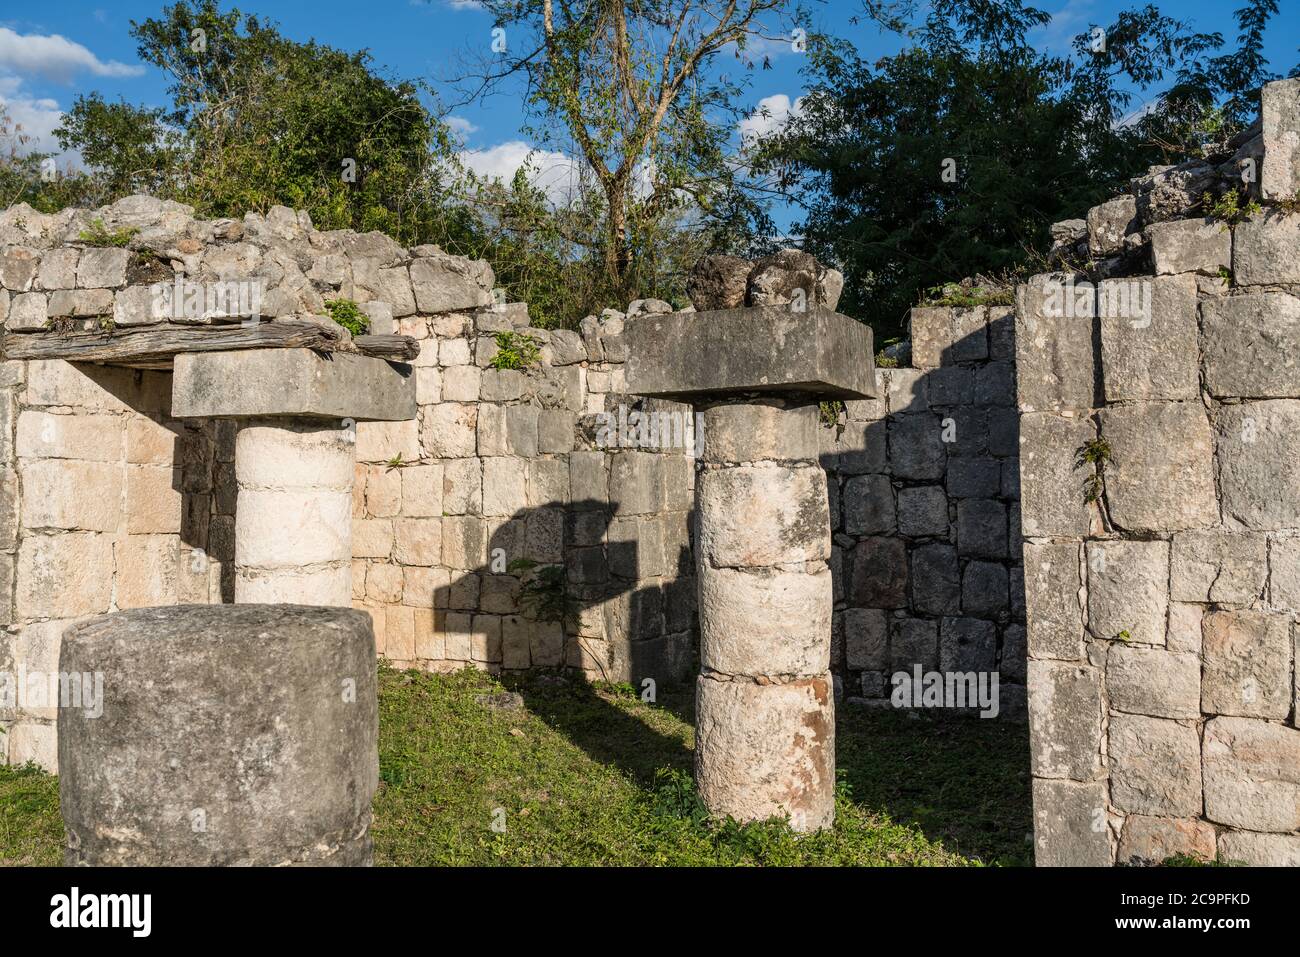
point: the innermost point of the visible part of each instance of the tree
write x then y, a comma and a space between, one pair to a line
629, 87
258, 119
953, 157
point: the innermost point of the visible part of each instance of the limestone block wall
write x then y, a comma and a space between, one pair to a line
510, 472
1163, 594
106, 503
924, 492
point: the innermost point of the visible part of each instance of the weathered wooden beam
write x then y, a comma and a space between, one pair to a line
156, 345
393, 348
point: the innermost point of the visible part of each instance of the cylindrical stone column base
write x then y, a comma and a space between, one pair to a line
765, 732
225, 735
766, 750
293, 517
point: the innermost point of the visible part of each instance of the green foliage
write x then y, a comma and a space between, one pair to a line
257, 119
1027, 138
885, 362
396, 462
544, 593
346, 313
97, 234
829, 412
1125, 636
1094, 455
516, 350
1229, 208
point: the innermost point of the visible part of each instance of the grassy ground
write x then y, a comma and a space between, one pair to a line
581, 775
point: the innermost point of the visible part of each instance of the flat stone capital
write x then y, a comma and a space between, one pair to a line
291, 382
695, 355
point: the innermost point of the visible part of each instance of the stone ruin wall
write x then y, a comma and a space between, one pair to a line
1162, 617
108, 503
924, 494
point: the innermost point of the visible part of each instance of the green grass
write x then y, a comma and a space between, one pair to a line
588, 775
30, 829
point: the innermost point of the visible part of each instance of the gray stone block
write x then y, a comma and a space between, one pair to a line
951, 385
1013, 661
1155, 766
1148, 338
773, 429
866, 638
916, 447
1070, 827
1266, 249
1065, 705
995, 384
260, 721
1252, 774
1160, 476
1128, 590
762, 349
1190, 246
1258, 452
869, 506
1052, 604
984, 590
1247, 670
272, 382
923, 511
751, 516
967, 644
974, 478
1109, 223
1150, 840
914, 641
1153, 682
879, 577
1054, 346
1260, 850
1218, 566
936, 579
1279, 177
982, 528
1252, 345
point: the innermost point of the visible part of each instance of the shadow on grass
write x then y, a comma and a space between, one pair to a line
961, 781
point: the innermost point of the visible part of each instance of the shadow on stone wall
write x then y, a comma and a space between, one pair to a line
923, 483
557, 583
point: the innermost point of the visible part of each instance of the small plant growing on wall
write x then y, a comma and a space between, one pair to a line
1228, 208
544, 595
97, 234
516, 351
1095, 453
348, 315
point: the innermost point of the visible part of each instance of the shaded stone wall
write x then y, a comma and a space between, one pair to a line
924, 491
108, 503
1163, 594
508, 471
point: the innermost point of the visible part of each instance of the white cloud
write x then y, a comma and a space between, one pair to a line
465, 4
460, 126
37, 116
554, 173
771, 116
55, 57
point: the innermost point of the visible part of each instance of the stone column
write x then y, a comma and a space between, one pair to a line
293, 518
765, 717
219, 735
294, 458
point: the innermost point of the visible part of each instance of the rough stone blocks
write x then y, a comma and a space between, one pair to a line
767, 750
1160, 475
1252, 774
1155, 766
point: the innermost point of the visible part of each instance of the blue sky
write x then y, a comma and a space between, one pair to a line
51, 52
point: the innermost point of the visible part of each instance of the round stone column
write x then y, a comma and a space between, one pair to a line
293, 517
765, 713
220, 735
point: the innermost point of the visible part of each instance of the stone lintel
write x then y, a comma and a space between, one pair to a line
689, 356
292, 382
